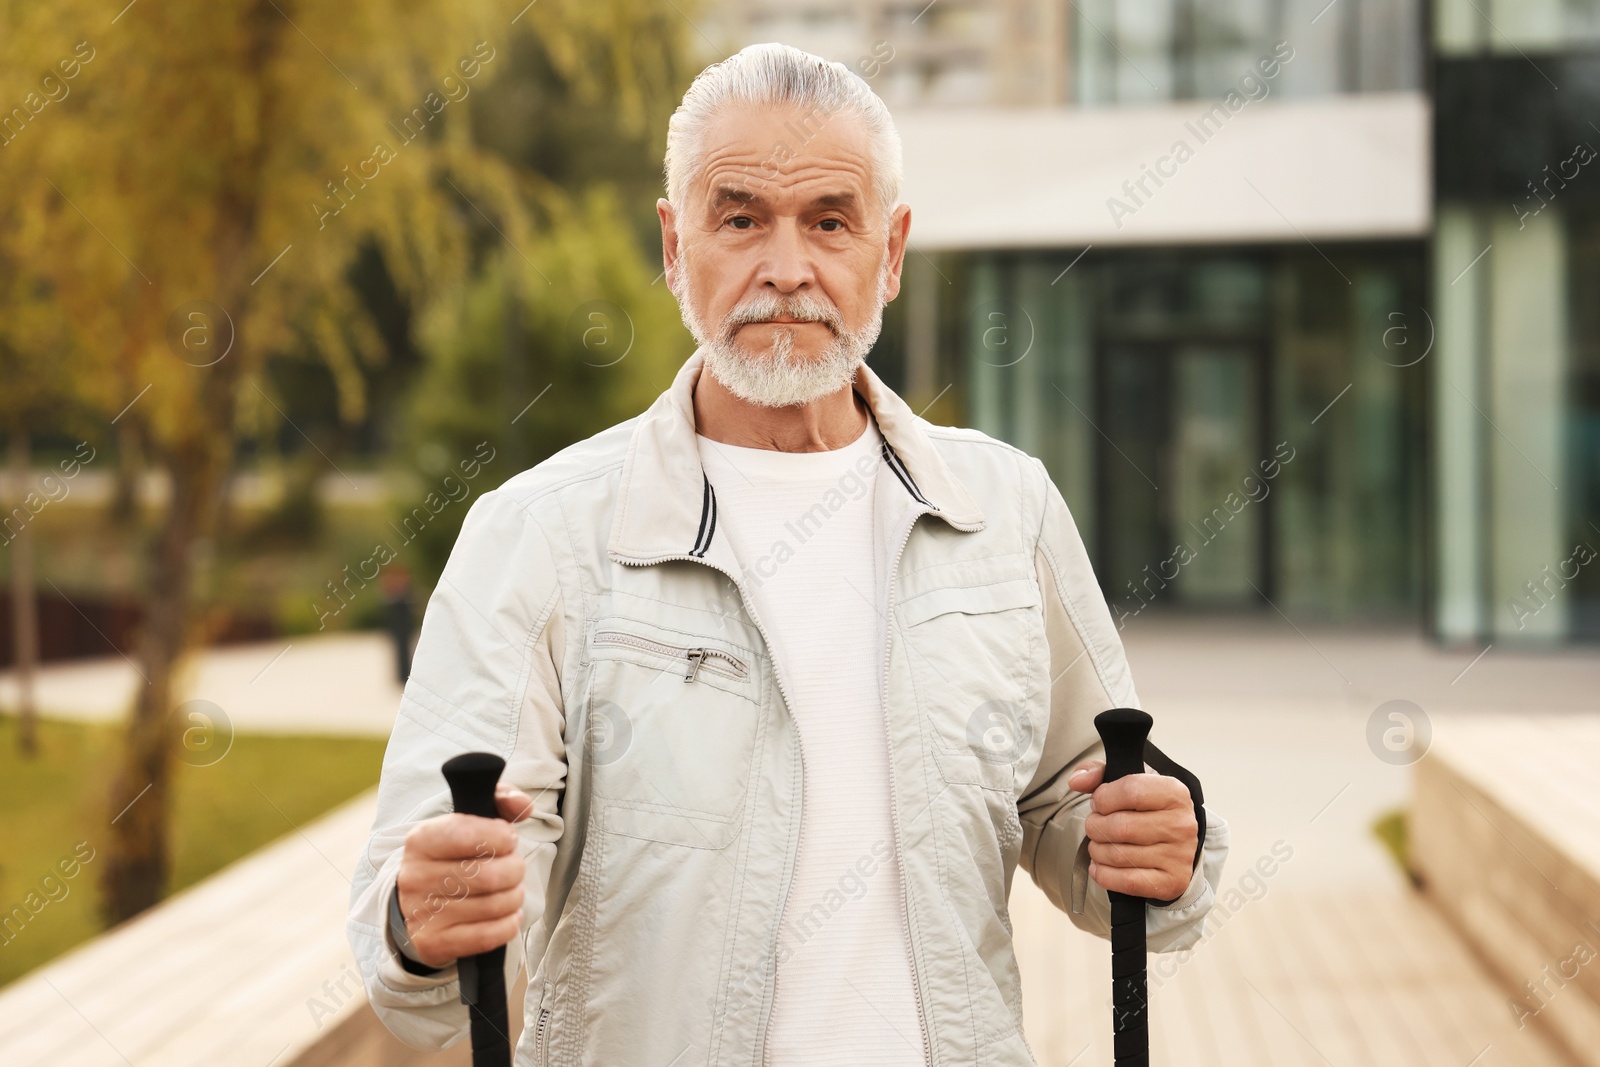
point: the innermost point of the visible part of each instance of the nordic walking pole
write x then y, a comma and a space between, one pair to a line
472, 779
1123, 732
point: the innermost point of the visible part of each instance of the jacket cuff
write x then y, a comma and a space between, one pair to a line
1181, 924
1176, 924
1197, 885
400, 941
399, 972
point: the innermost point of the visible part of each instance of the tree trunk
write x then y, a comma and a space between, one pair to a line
139, 857
128, 478
24, 604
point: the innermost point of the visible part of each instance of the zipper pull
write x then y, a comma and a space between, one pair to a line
695, 657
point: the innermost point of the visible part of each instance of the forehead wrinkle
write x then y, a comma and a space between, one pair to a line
839, 178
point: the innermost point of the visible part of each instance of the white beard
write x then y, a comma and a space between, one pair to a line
775, 377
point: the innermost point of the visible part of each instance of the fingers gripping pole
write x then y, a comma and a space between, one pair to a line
1123, 732
472, 779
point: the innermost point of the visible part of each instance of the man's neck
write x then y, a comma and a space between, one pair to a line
827, 423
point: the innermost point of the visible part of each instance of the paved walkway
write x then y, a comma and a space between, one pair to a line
1330, 959
324, 684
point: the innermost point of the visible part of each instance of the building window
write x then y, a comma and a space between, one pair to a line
1158, 50
1225, 425
1469, 27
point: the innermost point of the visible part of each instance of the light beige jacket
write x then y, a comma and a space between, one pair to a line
591, 628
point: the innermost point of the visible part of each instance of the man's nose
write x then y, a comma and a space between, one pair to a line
787, 265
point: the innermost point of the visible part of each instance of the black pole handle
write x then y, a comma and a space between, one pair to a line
1123, 731
473, 777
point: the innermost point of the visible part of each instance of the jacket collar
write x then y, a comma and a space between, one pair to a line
666, 506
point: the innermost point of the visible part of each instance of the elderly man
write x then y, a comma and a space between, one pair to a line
788, 680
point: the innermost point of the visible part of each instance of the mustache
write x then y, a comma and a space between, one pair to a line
802, 307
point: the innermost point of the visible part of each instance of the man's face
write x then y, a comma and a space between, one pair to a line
781, 256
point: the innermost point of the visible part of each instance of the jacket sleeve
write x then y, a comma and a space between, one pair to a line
486, 677
1089, 674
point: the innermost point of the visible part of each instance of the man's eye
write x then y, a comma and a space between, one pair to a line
832, 225
741, 222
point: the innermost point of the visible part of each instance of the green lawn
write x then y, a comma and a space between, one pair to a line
57, 802
1391, 829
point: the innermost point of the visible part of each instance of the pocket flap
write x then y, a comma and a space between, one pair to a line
966, 768
673, 827
970, 599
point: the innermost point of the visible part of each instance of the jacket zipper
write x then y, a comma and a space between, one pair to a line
695, 657
539, 1037
894, 809
894, 803
783, 900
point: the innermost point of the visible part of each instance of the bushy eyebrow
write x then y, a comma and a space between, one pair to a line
734, 194
842, 201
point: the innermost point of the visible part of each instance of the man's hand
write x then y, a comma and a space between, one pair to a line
461, 881
1142, 832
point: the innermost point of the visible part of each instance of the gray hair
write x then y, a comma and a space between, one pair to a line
773, 75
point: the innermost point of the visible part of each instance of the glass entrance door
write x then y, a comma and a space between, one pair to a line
1183, 512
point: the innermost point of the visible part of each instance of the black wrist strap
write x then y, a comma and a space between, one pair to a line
1164, 764
402, 939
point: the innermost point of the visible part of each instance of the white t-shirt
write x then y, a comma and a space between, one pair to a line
800, 524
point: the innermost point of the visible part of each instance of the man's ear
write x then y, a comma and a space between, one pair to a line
669, 239
899, 236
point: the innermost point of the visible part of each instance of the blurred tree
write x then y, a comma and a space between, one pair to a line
32, 367
200, 192
555, 340
31, 387
529, 360
204, 188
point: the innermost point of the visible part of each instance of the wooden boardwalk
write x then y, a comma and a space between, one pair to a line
1508, 811
249, 968
1333, 961
237, 971
1339, 963
1296, 977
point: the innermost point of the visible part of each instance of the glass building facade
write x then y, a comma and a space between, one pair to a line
1516, 416
1349, 430
1370, 422
1132, 53
1229, 425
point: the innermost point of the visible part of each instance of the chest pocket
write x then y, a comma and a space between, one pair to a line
970, 642
670, 730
